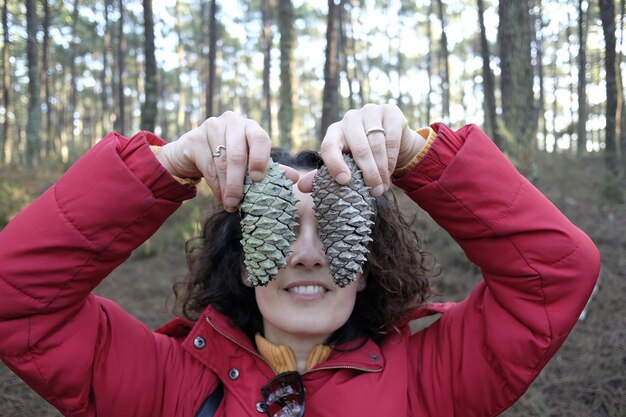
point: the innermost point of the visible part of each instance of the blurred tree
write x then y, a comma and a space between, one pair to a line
429, 62
519, 111
210, 88
106, 73
571, 65
622, 103
330, 97
347, 49
181, 89
70, 121
120, 120
45, 90
149, 108
536, 32
359, 47
582, 78
287, 46
33, 127
444, 63
6, 85
267, 40
607, 15
489, 90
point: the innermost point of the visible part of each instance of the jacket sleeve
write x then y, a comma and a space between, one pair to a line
538, 268
80, 352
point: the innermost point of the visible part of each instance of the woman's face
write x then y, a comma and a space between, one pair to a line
303, 302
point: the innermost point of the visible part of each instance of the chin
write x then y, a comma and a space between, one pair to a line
309, 327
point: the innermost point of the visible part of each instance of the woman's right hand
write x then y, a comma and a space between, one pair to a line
221, 150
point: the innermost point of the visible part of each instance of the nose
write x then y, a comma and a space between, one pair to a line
307, 251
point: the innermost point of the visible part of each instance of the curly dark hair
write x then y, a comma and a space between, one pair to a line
396, 270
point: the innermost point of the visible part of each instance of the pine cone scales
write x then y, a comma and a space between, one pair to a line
268, 213
344, 214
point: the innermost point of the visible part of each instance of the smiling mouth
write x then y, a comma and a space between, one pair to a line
307, 290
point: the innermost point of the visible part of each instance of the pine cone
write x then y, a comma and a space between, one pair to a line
268, 213
344, 214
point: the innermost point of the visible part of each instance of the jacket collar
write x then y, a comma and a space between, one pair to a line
216, 329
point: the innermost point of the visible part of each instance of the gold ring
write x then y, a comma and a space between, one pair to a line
374, 130
218, 151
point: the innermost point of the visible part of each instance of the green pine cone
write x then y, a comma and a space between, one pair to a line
268, 213
344, 214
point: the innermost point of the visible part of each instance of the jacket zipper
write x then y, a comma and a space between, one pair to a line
254, 353
356, 368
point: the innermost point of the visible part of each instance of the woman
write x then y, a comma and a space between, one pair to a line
308, 348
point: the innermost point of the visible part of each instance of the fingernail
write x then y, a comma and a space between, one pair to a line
343, 178
256, 175
378, 190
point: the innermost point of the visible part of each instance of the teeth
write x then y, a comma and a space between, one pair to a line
307, 289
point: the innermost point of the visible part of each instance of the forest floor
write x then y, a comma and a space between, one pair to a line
586, 378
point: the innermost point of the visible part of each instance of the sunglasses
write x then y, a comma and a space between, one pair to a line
283, 395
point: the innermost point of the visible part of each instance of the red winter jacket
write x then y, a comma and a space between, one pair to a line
88, 357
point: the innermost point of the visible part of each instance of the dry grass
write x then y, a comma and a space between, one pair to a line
586, 378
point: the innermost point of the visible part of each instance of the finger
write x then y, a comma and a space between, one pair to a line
291, 173
305, 184
361, 150
214, 167
332, 149
209, 172
377, 138
394, 123
260, 146
194, 150
235, 161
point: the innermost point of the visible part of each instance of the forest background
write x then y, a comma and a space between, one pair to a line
542, 77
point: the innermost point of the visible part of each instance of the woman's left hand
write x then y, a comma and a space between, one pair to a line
379, 140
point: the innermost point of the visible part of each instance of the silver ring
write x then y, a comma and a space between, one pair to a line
218, 151
374, 130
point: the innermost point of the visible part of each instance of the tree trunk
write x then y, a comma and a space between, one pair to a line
267, 39
73, 153
137, 80
622, 134
149, 110
287, 46
210, 90
607, 15
519, 111
182, 66
555, 103
120, 121
444, 66
400, 72
429, 63
569, 130
6, 86
33, 129
620, 93
104, 78
330, 106
49, 143
581, 137
346, 47
538, 37
489, 90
